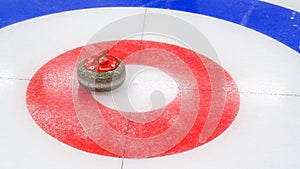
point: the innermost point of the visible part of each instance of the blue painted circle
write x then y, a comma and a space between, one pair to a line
277, 22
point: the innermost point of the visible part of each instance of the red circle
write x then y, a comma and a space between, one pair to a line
50, 102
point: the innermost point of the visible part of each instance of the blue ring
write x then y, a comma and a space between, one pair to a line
277, 22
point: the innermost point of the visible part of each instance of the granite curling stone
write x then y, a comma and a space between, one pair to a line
102, 72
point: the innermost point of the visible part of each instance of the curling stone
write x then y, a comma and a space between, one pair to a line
102, 72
